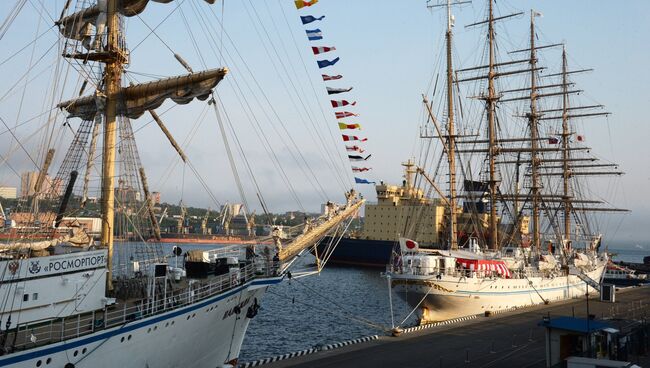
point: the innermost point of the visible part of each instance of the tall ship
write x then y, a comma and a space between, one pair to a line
70, 301
526, 165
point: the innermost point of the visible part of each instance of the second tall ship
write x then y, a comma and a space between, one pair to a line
526, 166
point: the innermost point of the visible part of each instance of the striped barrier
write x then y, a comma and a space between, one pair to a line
349, 342
460, 319
257, 363
441, 323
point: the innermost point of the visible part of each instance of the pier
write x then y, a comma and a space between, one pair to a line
509, 339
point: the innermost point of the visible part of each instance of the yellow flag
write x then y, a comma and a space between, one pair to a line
343, 126
303, 3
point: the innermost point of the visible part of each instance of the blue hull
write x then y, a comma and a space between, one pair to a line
360, 252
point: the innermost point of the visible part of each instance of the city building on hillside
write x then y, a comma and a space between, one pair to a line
8, 192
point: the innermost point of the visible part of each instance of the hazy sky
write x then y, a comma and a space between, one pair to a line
389, 52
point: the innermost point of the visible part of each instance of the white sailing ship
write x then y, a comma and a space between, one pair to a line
63, 300
509, 265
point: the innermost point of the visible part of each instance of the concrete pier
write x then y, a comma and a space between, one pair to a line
510, 339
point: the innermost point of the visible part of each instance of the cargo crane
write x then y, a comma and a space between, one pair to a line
204, 223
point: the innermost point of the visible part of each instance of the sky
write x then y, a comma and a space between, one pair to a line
389, 52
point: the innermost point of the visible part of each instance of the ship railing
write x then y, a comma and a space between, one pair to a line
450, 272
59, 329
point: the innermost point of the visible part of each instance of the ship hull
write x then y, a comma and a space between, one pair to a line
359, 252
448, 298
206, 334
203, 239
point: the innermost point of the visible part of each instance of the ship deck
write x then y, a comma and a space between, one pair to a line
130, 307
511, 339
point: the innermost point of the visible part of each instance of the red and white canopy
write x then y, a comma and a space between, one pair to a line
485, 265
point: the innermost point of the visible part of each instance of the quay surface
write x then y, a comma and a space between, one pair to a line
510, 339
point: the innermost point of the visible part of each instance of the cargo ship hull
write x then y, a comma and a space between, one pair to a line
359, 252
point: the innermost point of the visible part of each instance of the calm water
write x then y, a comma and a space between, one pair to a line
336, 305
340, 303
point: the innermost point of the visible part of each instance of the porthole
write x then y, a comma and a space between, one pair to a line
193, 315
188, 317
76, 352
172, 323
129, 338
48, 361
155, 328
38, 364
122, 339
149, 330
167, 324
83, 351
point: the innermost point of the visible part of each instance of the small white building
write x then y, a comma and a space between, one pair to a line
8, 192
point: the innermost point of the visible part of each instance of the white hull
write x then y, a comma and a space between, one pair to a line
206, 334
448, 297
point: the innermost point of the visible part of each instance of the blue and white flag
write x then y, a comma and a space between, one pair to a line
306, 19
314, 34
362, 181
326, 63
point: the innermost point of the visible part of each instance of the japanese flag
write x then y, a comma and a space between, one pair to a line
408, 245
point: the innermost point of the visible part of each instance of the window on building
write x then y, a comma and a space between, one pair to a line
35, 296
25, 297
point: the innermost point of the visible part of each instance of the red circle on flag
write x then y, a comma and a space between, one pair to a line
410, 244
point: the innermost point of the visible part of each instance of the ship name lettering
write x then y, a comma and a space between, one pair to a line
66, 264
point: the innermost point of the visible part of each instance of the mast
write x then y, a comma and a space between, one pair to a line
451, 151
114, 67
492, 150
565, 150
533, 121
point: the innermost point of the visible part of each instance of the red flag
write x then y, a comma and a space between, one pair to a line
360, 169
341, 103
580, 138
553, 140
321, 49
354, 149
344, 114
347, 138
331, 77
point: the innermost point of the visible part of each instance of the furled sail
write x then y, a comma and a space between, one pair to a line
135, 100
85, 24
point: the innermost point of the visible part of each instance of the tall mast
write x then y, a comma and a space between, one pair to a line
565, 149
492, 150
114, 68
533, 121
451, 152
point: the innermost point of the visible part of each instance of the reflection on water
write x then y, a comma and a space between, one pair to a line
341, 303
